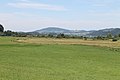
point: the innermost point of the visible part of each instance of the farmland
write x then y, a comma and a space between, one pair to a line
58, 59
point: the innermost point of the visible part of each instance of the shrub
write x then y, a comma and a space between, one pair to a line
114, 39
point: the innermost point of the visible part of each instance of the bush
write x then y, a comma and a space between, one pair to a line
114, 39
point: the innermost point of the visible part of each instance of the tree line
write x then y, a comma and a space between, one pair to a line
60, 35
55, 35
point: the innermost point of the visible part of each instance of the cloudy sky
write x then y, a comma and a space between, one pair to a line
30, 15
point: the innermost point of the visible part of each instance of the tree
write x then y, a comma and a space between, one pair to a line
109, 36
60, 35
99, 37
50, 35
85, 38
118, 35
8, 33
1, 28
114, 39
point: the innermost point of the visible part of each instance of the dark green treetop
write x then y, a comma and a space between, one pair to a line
1, 28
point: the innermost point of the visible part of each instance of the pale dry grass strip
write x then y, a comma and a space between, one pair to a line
107, 43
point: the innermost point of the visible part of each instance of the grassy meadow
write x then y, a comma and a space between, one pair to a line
58, 59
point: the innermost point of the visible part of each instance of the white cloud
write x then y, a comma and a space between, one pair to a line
37, 6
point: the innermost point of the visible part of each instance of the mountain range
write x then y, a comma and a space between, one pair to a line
92, 33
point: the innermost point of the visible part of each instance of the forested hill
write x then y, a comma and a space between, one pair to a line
102, 32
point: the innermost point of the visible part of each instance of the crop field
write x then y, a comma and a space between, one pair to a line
58, 59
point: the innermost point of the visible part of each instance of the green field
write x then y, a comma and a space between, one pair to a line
27, 61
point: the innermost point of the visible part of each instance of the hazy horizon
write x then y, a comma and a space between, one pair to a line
30, 15
59, 27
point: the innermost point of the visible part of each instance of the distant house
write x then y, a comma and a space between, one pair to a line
1, 28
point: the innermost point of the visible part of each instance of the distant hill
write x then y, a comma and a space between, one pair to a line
92, 33
53, 30
104, 32
61, 30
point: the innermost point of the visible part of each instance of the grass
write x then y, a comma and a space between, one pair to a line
25, 61
105, 43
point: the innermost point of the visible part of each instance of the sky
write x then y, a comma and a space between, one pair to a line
30, 15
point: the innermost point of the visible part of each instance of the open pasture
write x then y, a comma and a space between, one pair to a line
46, 59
